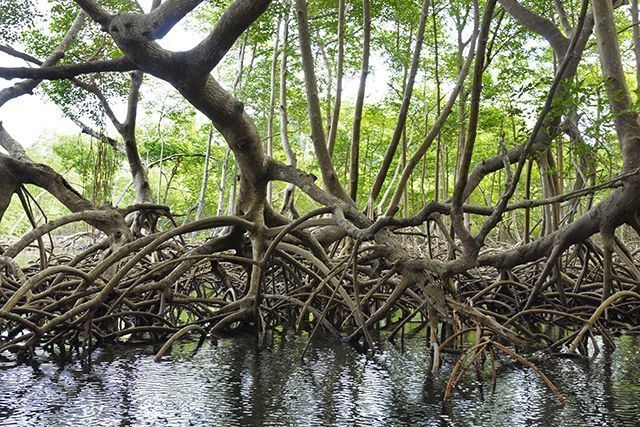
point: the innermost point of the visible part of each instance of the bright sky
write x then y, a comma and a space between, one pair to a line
30, 117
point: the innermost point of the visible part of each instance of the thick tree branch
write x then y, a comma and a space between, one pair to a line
167, 14
549, 129
95, 11
235, 20
59, 72
14, 149
14, 172
626, 122
537, 24
151, 26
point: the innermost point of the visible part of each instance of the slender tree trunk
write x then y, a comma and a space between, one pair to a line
223, 183
527, 196
403, 164
288, 202
354, 161
469, 244
272, 100
128, 132
435, 129
335, 117
436, 70
423, 171
404, 109
205, 177
238, 82
635, 17
231, 205
327, 95
547, 175
160, 171
462, 116
329, 177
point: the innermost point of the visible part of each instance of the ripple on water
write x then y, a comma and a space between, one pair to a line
232, 384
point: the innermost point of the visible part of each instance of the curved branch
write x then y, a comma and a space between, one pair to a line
537, 24
17, 172
164, 17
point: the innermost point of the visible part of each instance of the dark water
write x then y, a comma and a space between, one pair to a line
232, 384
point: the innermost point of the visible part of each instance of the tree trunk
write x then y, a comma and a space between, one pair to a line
329, 177
335, 117
354, 160
205, 178
635, 16
625, 120
404, 109
272, 99
223, 183
128, 132
288, 201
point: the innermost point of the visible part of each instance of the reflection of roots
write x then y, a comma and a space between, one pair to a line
157, 289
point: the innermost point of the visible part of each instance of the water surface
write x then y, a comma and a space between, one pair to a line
231, 384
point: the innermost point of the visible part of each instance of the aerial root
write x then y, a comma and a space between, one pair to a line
184, 331
477, 354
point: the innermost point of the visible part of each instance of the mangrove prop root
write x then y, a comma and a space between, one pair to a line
119, 292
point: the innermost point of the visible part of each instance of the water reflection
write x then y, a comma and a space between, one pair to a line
233, 384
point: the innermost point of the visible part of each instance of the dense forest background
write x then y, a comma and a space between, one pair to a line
173, 137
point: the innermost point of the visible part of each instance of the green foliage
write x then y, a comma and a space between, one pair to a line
172, 137
93, 162
16, 16
90, 44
